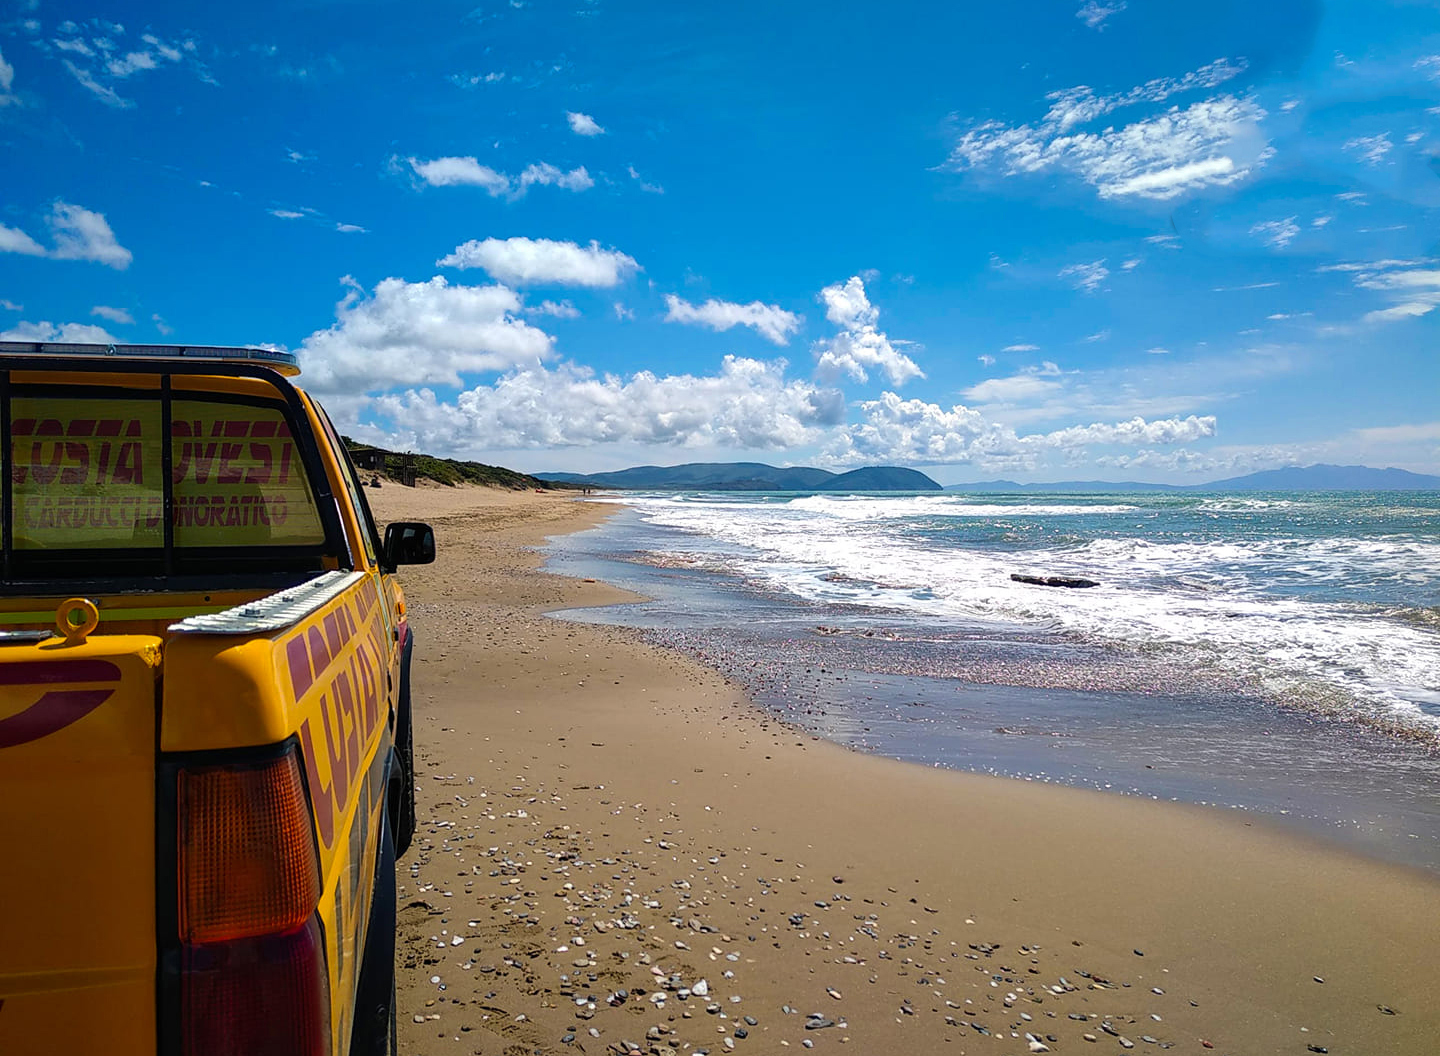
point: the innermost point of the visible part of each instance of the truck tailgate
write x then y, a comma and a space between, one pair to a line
77, 845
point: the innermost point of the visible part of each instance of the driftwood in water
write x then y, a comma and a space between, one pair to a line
1054, 581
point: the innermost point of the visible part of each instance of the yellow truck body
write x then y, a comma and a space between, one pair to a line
205, 760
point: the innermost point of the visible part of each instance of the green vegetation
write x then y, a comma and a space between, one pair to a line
408, 468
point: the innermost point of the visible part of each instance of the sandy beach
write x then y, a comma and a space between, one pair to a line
617, 853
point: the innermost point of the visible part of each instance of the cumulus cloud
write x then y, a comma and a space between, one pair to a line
115, 315
13, 240
454, 172
84, 333
82, 234
1213, 142
914, 431
1277, 233
1370, 149
860, 343
769, 320
542, 261
583, 124
467, 171
1087, 277
748, 405
77, 233
420, 333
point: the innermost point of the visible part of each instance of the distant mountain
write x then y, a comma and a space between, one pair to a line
750, 476
1295, 478
880, 478
1328, 478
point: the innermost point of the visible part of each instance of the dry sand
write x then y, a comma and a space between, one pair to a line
598, 817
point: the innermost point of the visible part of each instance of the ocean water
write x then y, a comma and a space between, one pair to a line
1269, 652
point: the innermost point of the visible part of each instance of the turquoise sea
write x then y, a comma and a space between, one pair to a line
1269, 652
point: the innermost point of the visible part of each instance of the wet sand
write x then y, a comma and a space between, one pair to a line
598, 816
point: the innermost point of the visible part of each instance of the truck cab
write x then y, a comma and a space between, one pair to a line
206, 764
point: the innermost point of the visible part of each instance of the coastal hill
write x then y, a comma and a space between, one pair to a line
750, 476
1318, 477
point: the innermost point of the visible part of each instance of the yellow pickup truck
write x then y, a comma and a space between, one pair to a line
206, 764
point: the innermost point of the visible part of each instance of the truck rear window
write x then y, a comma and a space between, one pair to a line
87, 483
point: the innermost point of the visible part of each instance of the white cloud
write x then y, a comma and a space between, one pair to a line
98, 61
583, 124
10, 306
1288, 105
13, 240
988, 361
769, 320
1030, 384
134, 62
466, 171
748, 405
1412, 286
1400, 433
1087, 277
84, 333
1429, 65
452, 172
107, 95
1277, 233
352, 229
1164, 241
913, 431
1094, 12
1135, 432
548, 175
420, 333
1157, 351
648, 188
115, 315
1321, 221
285, 214
77, 233
1213, 142
622, 313
7, 80
1370, 149
541, 261
1130, 265
1099, 335
558, 309
1021, 348
860, 343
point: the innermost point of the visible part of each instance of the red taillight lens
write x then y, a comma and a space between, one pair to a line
266, 995
246, 851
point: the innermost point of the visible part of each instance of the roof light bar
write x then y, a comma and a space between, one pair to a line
281, 362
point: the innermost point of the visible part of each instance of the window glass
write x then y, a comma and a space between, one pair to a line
85, 473
238, 478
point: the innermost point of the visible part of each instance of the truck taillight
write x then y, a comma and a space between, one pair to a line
253, 977
246, 853
259, 995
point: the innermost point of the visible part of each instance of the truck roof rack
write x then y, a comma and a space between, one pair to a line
282, 362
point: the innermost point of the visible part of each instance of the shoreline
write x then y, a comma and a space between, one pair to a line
677, 813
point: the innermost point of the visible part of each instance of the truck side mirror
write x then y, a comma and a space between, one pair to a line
409, 543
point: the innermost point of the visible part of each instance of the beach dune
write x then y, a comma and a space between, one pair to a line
602, 823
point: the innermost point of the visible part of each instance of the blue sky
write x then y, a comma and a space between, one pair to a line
1038, 240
